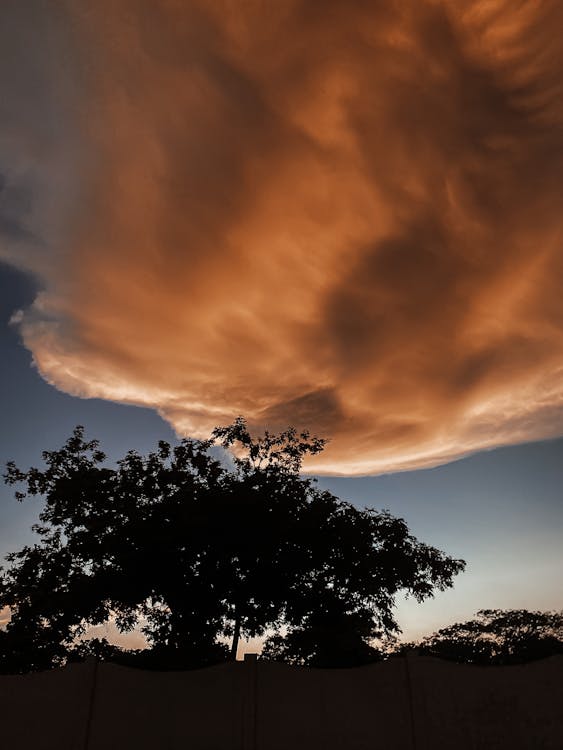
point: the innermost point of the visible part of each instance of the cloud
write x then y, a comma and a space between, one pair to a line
40, 142
339, 215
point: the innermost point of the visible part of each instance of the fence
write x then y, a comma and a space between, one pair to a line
412, 703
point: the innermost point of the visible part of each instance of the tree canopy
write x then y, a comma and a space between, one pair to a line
498, 636
197, 551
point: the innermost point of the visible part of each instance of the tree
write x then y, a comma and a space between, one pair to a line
195, 551
498, 636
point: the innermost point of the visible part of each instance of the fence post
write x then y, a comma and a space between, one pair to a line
92, 663
408, 658
250, 665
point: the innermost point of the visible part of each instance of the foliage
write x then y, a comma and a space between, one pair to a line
497, 636
195, 551
335, 638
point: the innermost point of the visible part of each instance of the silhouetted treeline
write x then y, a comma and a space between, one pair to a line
498, 637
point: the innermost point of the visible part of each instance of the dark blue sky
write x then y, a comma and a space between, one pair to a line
500, 510
36, 416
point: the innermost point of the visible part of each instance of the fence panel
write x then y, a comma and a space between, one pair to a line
48, 710
196, 710
488, 708
333, 709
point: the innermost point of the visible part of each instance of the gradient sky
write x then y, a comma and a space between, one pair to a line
344, 216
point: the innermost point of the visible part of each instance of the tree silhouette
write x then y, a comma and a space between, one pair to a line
195, 551
498, 636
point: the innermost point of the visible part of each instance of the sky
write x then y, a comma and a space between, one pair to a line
340, 215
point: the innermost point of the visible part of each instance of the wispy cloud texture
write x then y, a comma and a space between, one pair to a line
344, 215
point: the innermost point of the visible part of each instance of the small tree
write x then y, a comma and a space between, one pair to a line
498, 636
194, 551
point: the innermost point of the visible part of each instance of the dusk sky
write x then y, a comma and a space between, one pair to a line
343, 215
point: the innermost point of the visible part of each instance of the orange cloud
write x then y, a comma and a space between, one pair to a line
344, 215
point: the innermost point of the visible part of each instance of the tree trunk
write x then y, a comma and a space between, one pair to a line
236, 638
